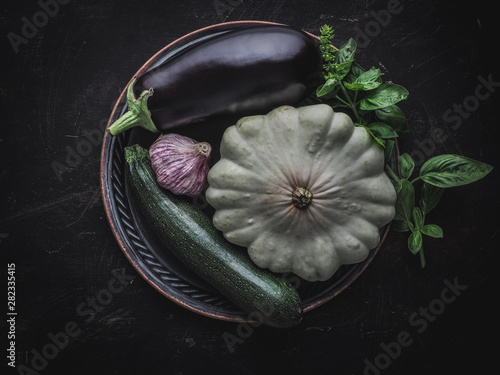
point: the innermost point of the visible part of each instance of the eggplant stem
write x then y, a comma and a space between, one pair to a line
137, 115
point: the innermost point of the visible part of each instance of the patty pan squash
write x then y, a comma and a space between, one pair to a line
304, 190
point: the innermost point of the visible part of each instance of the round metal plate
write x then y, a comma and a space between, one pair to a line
140, 245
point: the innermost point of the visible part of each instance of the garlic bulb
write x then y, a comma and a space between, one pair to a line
180, 163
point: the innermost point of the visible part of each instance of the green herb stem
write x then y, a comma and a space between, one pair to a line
355, 100
352, 106
415, 179
391, 173
422, 257
348, 105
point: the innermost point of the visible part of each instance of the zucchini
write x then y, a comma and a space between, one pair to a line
189, 235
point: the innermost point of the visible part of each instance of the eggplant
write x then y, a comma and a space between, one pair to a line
241, 72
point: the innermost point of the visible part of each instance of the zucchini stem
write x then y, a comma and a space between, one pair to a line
137, 115
135, 153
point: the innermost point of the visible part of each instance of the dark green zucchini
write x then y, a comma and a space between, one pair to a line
190, 235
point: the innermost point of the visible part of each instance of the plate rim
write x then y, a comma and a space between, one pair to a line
104, 176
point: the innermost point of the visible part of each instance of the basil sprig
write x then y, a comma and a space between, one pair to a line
437, 173
373, 105
348, 85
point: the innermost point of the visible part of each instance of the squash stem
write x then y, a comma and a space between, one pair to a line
137, 114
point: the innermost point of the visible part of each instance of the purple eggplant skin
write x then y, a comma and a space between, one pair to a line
242, 72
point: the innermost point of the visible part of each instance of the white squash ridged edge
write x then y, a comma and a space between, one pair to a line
265, 159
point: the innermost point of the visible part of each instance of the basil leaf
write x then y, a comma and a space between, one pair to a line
405, 200
327, 87
430, 197
389, 146
368, 80
393, 116
346, 52
399, 226
382, 130
342, 69
361, 86
357, 69
383, 96
355, 72
449, 170
380, 141
405, 166
432, 230
418, 219
415, 242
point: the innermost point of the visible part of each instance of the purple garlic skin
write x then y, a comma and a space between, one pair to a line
180, 163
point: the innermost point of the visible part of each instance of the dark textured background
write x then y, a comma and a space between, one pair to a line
62, 84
